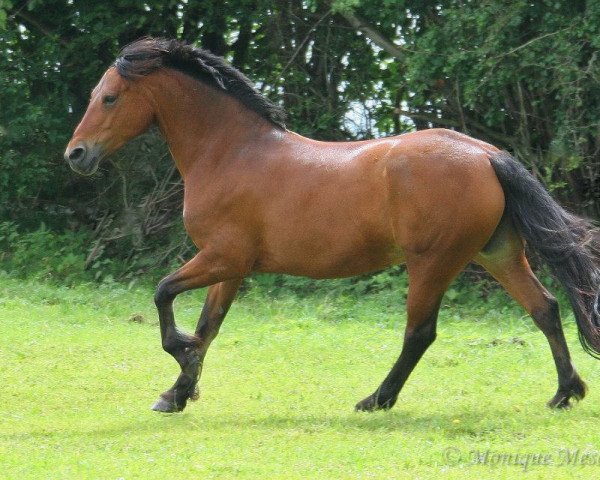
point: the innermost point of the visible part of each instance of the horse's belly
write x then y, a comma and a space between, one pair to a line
317, 260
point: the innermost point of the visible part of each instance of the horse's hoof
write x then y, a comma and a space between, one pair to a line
576, 390
165, 406
374, 402
560, 402
366, 405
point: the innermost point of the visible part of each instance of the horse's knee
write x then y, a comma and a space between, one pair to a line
164, 293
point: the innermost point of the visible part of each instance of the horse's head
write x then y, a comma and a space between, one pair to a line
118, 111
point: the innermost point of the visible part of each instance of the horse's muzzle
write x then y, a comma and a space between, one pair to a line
84, 159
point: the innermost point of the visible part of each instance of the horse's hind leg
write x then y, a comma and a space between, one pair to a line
508, 264
429, 276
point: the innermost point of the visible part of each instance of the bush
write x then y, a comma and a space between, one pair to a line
59, 257
42, 253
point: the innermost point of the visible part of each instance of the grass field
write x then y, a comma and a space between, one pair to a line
81, 367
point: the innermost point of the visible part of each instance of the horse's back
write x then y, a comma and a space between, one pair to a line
347, 208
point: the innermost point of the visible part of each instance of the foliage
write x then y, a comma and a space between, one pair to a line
30, 253
70, 257
522, 75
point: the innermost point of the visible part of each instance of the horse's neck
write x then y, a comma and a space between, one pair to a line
200, 124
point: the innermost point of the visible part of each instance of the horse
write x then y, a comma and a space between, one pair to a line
261, 198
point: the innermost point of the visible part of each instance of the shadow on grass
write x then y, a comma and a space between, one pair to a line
411, 423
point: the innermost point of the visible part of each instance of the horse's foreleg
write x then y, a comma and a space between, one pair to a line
204, 269
216, 306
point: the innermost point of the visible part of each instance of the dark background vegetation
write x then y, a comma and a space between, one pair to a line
523, 75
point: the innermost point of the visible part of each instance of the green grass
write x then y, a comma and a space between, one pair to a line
277, 395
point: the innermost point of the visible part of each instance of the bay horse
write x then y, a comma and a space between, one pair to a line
260, 198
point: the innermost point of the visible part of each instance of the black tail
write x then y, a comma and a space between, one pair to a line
568, 244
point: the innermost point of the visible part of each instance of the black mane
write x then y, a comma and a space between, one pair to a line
147, 55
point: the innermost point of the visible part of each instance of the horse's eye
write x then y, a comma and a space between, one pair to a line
109, 99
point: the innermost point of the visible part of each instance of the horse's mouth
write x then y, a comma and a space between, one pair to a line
86, 164
86, 167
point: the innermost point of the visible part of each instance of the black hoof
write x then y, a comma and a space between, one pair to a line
166, 406
374, 402
576, 390
560, 401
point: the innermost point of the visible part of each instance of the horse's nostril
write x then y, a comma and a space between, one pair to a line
77, 154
